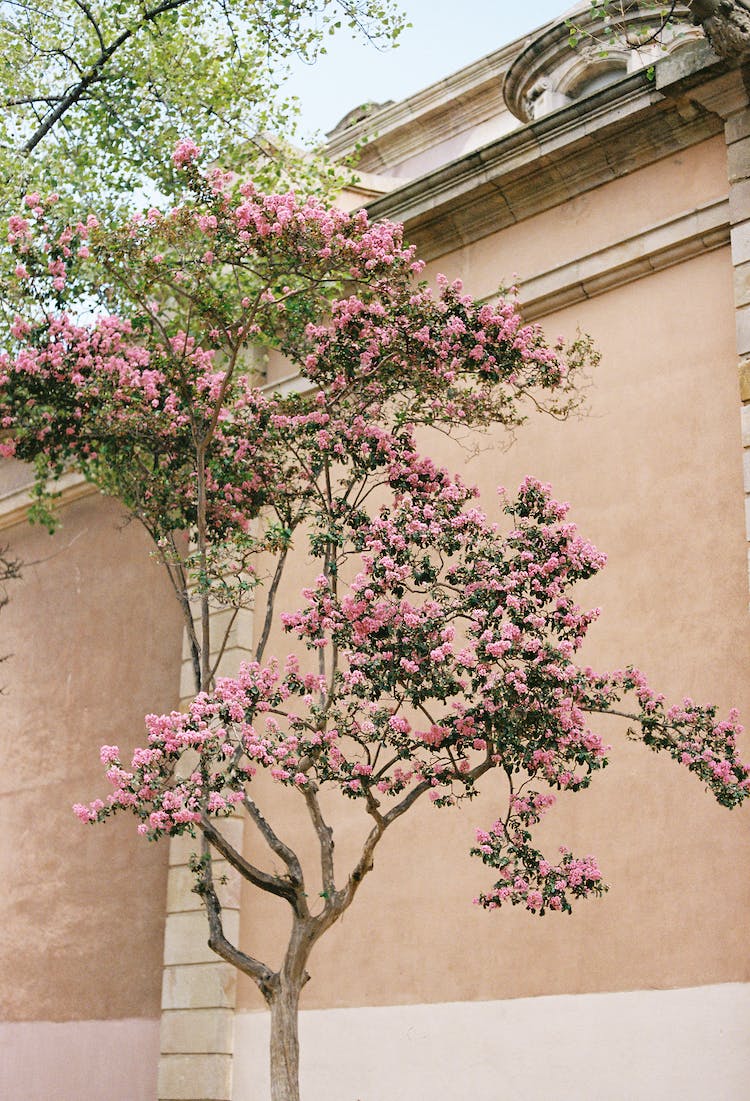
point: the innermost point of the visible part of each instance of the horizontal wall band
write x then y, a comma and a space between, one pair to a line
660, 246
14, 506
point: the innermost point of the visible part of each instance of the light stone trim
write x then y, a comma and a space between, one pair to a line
728, 95
14, 506
203, 1031
740, 213
186, 936
199, 989
205, 1077
428, 117
653, 249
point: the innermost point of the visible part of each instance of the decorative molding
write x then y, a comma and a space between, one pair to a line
14, 506
615, 131
433, 115
653, 249
548, 73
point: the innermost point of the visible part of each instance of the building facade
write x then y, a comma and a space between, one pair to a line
618, 200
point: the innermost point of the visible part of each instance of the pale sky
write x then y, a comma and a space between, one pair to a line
445, 36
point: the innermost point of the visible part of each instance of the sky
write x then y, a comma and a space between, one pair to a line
445, 36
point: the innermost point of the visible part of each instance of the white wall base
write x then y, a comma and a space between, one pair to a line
691, 1045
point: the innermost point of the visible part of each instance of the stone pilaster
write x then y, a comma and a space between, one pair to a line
737, 129
728, 95
198, 988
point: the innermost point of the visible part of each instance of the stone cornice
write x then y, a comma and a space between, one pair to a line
430, 116
622, 127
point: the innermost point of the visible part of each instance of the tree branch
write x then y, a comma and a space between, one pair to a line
224, 641
272, 884
74, 94
217, 941
273, 841
84, 7
325, 837
270, 600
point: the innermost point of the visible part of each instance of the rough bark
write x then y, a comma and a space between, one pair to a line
284, 1004
283, 1000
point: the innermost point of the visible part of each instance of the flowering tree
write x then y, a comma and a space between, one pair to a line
432, 646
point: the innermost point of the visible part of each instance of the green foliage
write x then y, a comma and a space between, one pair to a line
95, 93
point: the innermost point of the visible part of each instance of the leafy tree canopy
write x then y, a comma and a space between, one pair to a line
95, 93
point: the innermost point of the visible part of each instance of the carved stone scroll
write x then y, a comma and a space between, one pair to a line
726, 24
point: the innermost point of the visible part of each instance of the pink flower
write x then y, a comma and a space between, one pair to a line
185, 152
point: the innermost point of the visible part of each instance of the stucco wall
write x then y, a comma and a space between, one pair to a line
94, 641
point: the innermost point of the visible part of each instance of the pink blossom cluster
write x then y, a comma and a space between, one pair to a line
231, 733
531, 881
461, 360
526, 877
185, 152
523, 707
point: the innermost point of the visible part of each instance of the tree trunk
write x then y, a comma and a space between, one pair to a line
285, 1041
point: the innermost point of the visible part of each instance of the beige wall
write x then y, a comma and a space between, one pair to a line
94, 638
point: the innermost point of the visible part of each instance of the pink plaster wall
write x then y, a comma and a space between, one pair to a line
94, 637
45, 1061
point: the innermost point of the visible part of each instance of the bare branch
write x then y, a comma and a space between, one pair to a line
225, 639
273, 884
325, 837
217, 941
84, 7
27, 101
176, 575
270, 600
202, 531
273, 841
